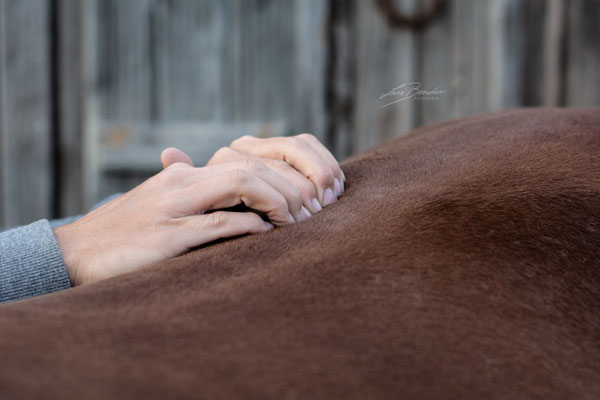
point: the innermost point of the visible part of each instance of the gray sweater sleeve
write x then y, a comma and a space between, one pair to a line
30, 262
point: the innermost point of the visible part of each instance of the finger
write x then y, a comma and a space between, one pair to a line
329, 158
307, 189
297, 190
233, 187
299, 154
180, 178
171, 155
201, 229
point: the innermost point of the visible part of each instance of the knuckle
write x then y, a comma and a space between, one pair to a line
238, 176
298, 141
276, 164
241, 140
254, 165
172, 174
217, 219
222, 153
306, 136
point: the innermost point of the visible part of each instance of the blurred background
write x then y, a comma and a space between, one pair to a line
91, 91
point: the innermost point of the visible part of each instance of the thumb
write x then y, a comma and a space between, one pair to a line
172, 155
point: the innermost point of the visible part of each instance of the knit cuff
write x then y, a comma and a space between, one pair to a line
30, 262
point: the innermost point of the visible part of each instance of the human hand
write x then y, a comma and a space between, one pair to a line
170, 213
301, 159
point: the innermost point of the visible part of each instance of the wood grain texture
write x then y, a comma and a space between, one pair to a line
388, 52
3, 143
340, 76
71, 106
583, 60
26, 159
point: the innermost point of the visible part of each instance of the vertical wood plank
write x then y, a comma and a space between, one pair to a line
26, 129
532, 19
264, 58
340, 76
125, 81
310, 51
461, 87
193, 34
90, 103
3, 142
480, 56
494, 78
436, 67
583, 60
494, 66
553, 49
71, 106
389, 52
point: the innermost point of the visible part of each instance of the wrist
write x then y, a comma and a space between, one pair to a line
67, 240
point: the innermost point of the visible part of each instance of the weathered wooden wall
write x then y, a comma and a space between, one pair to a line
92, 90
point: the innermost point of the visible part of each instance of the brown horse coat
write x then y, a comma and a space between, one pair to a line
463, 261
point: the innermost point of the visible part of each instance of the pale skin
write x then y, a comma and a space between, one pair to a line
288, 179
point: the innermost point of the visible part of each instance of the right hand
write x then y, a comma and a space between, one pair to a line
167, 215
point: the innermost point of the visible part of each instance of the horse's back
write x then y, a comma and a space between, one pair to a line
461, 262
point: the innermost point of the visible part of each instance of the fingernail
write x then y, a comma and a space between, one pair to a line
343, 177
328, 196
305, 213
316, 206
291, 218
337, 186
269, 225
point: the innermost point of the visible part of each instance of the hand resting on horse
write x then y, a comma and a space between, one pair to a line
287, 179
